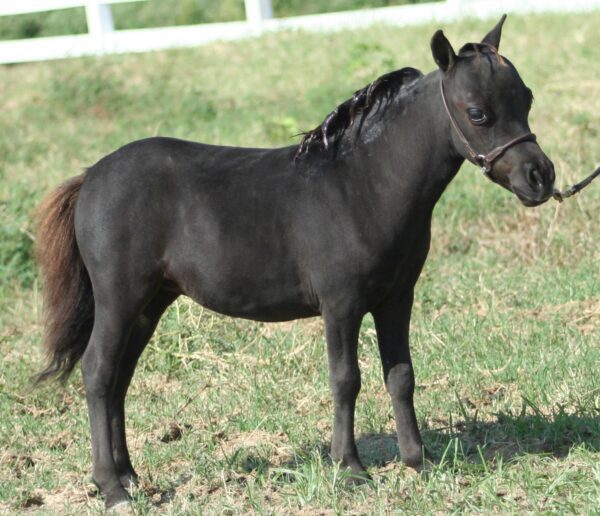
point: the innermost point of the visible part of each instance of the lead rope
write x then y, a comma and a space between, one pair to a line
576, 188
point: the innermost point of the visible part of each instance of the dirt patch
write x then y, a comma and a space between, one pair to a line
583, 315
17, 463
70, 498
273, 447
175, 432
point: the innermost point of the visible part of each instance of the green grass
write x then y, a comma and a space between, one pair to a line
505, 329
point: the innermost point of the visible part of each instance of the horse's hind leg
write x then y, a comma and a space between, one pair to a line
118, 304
140, 336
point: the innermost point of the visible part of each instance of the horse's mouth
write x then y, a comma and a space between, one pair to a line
524, 199
530, 202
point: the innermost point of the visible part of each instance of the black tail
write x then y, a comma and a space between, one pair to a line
67, 290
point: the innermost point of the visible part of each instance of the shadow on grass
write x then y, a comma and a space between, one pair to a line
508, 437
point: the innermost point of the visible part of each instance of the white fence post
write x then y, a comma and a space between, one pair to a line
99, 20
258, 10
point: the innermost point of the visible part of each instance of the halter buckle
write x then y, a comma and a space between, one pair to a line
483, 163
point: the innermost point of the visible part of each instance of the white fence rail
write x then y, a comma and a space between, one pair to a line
102, 38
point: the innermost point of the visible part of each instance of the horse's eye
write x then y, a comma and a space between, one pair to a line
477, 116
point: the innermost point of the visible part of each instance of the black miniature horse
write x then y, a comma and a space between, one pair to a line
338, 226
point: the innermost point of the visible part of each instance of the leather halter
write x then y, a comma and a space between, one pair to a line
484, 161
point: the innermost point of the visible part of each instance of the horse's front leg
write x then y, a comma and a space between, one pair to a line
392, 325
344, 377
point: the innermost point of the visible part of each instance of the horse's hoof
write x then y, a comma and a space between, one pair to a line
417, 465
118, 502
422, 467
123, 507
357, 474
418, 461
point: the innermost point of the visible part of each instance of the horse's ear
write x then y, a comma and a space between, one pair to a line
442, 51
493, 37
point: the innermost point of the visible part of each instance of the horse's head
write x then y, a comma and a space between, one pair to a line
487, 105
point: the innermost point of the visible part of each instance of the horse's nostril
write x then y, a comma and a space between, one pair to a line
535, 177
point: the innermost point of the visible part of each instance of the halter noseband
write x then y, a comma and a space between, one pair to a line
484, 161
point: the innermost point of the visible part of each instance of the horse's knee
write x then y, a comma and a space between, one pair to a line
345, 382
96, 385
401, 381
98, 369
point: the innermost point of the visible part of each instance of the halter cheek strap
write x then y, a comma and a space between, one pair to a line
484, 161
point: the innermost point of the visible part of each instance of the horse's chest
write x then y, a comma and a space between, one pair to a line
371, 268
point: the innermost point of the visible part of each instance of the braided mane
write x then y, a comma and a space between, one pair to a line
328, 135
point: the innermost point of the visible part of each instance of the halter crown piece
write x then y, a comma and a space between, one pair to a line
483, 161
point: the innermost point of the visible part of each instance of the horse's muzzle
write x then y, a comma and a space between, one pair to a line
534, 184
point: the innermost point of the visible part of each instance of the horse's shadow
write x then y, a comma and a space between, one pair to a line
506, 437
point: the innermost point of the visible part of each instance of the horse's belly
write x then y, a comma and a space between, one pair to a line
245, 289
255, 305
273, 312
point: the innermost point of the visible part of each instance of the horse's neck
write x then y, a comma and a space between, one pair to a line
413, 159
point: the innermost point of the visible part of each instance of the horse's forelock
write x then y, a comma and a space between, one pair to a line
478, 49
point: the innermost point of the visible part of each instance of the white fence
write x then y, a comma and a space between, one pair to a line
102, 38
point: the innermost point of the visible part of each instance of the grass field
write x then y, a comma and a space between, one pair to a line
230, 416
